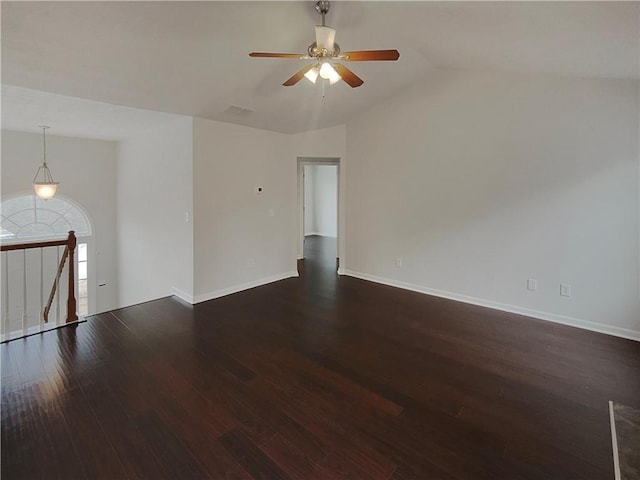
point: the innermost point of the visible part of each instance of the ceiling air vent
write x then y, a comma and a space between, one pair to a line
238, 110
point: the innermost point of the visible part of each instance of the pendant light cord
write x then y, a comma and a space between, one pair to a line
47, 177
44, 145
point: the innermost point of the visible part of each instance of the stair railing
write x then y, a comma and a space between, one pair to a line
69, 253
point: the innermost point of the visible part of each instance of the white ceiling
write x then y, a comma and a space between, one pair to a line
191, 58
24, 109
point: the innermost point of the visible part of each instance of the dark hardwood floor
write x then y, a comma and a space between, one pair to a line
317, 377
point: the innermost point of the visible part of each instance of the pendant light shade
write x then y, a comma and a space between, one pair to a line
43, 183
44, 190
329, 73
312, 75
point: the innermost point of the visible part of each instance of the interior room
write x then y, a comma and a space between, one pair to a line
384, 240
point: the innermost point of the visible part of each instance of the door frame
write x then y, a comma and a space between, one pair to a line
302, 162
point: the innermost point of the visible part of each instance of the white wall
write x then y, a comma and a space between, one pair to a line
155, 193
241, 239
321, 200
326, 200
481, 181
309, 205
86, 170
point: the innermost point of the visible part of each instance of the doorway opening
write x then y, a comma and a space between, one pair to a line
318, 200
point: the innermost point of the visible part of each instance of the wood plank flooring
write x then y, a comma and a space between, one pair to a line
318, 377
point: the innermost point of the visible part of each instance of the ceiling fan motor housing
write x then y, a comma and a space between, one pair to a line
316, 52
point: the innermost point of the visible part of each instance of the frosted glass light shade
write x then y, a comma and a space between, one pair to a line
43, 183
312, 75
328, 73
325, 37
45, 190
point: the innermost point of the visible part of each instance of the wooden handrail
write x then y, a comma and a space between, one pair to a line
26, 246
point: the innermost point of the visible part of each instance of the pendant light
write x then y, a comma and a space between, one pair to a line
43, 184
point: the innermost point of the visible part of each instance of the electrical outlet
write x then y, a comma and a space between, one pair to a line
532, 284
272, 212
398, 262
251, 262
565, 289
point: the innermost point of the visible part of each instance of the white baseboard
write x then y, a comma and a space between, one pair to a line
182, 295
233, 289
551, 317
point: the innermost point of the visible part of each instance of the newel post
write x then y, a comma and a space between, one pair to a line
72, 315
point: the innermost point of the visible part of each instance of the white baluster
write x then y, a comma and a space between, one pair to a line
58, 288
24, 291
41, 314
5, 320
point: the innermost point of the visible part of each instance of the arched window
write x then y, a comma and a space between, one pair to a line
26, 218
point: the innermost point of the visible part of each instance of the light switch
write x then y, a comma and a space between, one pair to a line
565, 289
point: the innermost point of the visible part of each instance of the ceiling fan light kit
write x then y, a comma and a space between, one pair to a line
325, 51
312, 74
329, 73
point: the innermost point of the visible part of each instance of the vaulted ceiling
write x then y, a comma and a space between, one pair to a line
191, 57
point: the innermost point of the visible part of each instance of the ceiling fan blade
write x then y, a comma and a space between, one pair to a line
369, 55
348, 76
298, 76
278, 55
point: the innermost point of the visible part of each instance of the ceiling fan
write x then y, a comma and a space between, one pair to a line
325, 53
